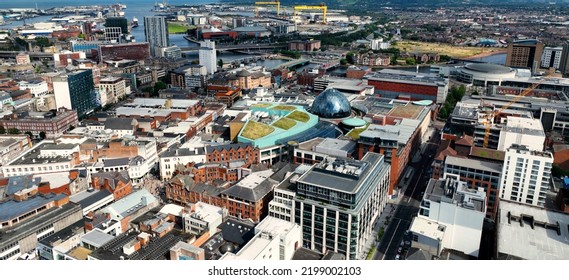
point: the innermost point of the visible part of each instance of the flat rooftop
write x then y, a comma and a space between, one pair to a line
275, 226
49, 216
343, 175
547, 239
406, 77
455, 192
130, 204
12, 209
524, 126
401, 132
474, 164
97, 238
160, 102
252, 249
406, 111
428, 228
151, 112
34, 155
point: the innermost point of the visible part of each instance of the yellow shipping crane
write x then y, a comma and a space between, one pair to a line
321, 7
495, 113
271, 3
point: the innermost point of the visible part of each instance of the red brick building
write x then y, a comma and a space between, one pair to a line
247, 199
132, 51
305, 46
232, 152
117, 183
53, 126
225, 94
408, 86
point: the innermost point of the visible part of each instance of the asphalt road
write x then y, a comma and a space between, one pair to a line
408, 206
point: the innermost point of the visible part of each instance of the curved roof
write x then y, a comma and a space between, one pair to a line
354, 122
243, 73
488, 68
331, 104
423, 102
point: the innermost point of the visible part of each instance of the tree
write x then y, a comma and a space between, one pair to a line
351, 58
29, 133
343, 61
159, 86
42, 135
410, 61
13, 131
220, 63
2, 129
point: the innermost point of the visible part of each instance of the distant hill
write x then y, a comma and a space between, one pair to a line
372, 5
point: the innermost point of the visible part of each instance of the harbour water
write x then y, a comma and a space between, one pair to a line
142, 8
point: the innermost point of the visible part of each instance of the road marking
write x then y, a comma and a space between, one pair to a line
393, 235
416, 183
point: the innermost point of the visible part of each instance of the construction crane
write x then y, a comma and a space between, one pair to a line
321, 7
491, 116
271, 3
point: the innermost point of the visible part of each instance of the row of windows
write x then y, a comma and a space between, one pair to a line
39, 168
11, 254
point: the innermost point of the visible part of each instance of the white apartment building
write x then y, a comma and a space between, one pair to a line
112, 89
204, 217
170, 158
43, 158
208, 56
451, 216
378, 44
274, 239
36, 87
526, 131
525, 175
551, 57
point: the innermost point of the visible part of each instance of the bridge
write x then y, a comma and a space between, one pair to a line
239, 47
294, 63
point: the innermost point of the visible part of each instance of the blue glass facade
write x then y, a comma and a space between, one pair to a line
331, 104
82, 92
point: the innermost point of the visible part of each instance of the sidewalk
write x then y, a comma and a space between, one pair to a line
381, 222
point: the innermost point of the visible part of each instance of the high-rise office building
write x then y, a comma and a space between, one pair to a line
525, 54
113, 34
526, 175
76, 91
121, 22
551, 57
208, 57
564, 62
335, 202
156, 32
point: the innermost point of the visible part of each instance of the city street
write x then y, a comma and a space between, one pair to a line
408, 206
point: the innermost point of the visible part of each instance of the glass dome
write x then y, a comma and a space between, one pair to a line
331, 104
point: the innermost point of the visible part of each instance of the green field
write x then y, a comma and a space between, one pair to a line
284, 123
299, 116
177, 28
254, 130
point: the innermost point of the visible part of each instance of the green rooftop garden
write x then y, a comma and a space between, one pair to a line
284, 123
261, 105
284, 108
299, 116
255, 130
355, 133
